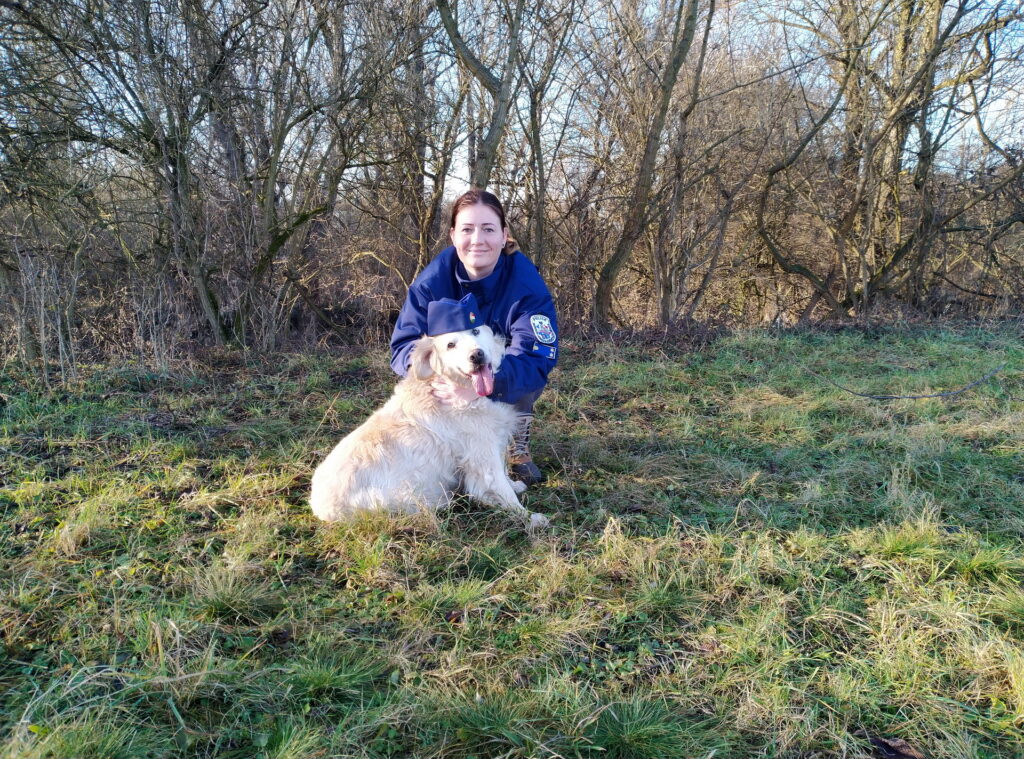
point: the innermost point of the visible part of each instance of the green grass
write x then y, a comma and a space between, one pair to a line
745, 561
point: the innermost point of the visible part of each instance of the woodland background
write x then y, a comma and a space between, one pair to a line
177, 174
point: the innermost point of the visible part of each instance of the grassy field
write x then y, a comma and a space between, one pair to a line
745, 560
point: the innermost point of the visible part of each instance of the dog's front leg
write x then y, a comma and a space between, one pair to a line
485, 480
484, 486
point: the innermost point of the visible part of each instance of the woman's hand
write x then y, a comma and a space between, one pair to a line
451, 394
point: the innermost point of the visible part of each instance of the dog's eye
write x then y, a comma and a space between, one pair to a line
451, 345
476, 332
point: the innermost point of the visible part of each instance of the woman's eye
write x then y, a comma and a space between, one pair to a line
451, 345
476, 332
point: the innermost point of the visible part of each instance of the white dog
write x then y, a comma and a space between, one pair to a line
415, 451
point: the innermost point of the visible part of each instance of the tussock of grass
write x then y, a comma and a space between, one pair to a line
94, 734
746, 561
327, 674
228, 593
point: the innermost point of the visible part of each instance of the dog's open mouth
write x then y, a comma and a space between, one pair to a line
483, 380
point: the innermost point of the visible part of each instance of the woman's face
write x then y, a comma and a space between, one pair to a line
479, 238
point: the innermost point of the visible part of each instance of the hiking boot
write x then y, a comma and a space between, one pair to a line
521, 463
525, 471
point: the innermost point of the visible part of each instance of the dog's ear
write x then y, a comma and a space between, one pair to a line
421, 362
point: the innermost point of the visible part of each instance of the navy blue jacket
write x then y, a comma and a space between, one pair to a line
514, 302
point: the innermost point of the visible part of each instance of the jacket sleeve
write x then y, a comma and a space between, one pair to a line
410, 327
533, 348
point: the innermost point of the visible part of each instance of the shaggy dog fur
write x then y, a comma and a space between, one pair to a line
415, 451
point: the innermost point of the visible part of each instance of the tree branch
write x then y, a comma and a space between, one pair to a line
490, 82
909, 397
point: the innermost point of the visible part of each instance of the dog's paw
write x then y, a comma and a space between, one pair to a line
519, 487
538, 521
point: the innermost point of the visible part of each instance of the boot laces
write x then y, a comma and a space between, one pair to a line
521, 436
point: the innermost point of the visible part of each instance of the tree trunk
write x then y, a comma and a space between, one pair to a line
637, 213
500, 89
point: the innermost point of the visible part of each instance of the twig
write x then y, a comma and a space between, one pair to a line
970, 292
911, 397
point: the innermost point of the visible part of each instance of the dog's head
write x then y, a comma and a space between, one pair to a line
469, 357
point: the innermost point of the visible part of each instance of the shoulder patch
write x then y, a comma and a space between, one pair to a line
548, 351
542, 328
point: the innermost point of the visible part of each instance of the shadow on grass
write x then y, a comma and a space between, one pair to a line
744, 560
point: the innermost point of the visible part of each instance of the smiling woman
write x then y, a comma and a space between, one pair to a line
479, 235
512, 300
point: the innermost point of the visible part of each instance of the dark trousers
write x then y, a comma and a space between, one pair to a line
525, 404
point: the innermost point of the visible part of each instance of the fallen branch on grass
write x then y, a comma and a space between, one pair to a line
912, 397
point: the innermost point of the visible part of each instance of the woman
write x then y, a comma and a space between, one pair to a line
513, 300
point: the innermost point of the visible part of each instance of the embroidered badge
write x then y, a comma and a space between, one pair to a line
542, 328
472, 318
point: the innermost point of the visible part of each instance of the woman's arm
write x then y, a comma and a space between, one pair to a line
410, 326
533, 350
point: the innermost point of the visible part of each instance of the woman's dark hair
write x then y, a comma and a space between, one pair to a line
483, 198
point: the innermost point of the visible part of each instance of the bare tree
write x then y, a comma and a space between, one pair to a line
501, 88
684, 26
550, 26
244, 171
901, 78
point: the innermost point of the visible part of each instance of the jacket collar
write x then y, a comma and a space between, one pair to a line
485, 289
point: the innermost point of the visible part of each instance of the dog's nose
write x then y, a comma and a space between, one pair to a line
477, 356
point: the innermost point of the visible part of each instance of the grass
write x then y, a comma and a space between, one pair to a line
745, 561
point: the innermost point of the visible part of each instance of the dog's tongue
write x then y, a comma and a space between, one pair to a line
483, 381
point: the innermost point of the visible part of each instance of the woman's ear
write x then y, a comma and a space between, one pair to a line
420, 362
